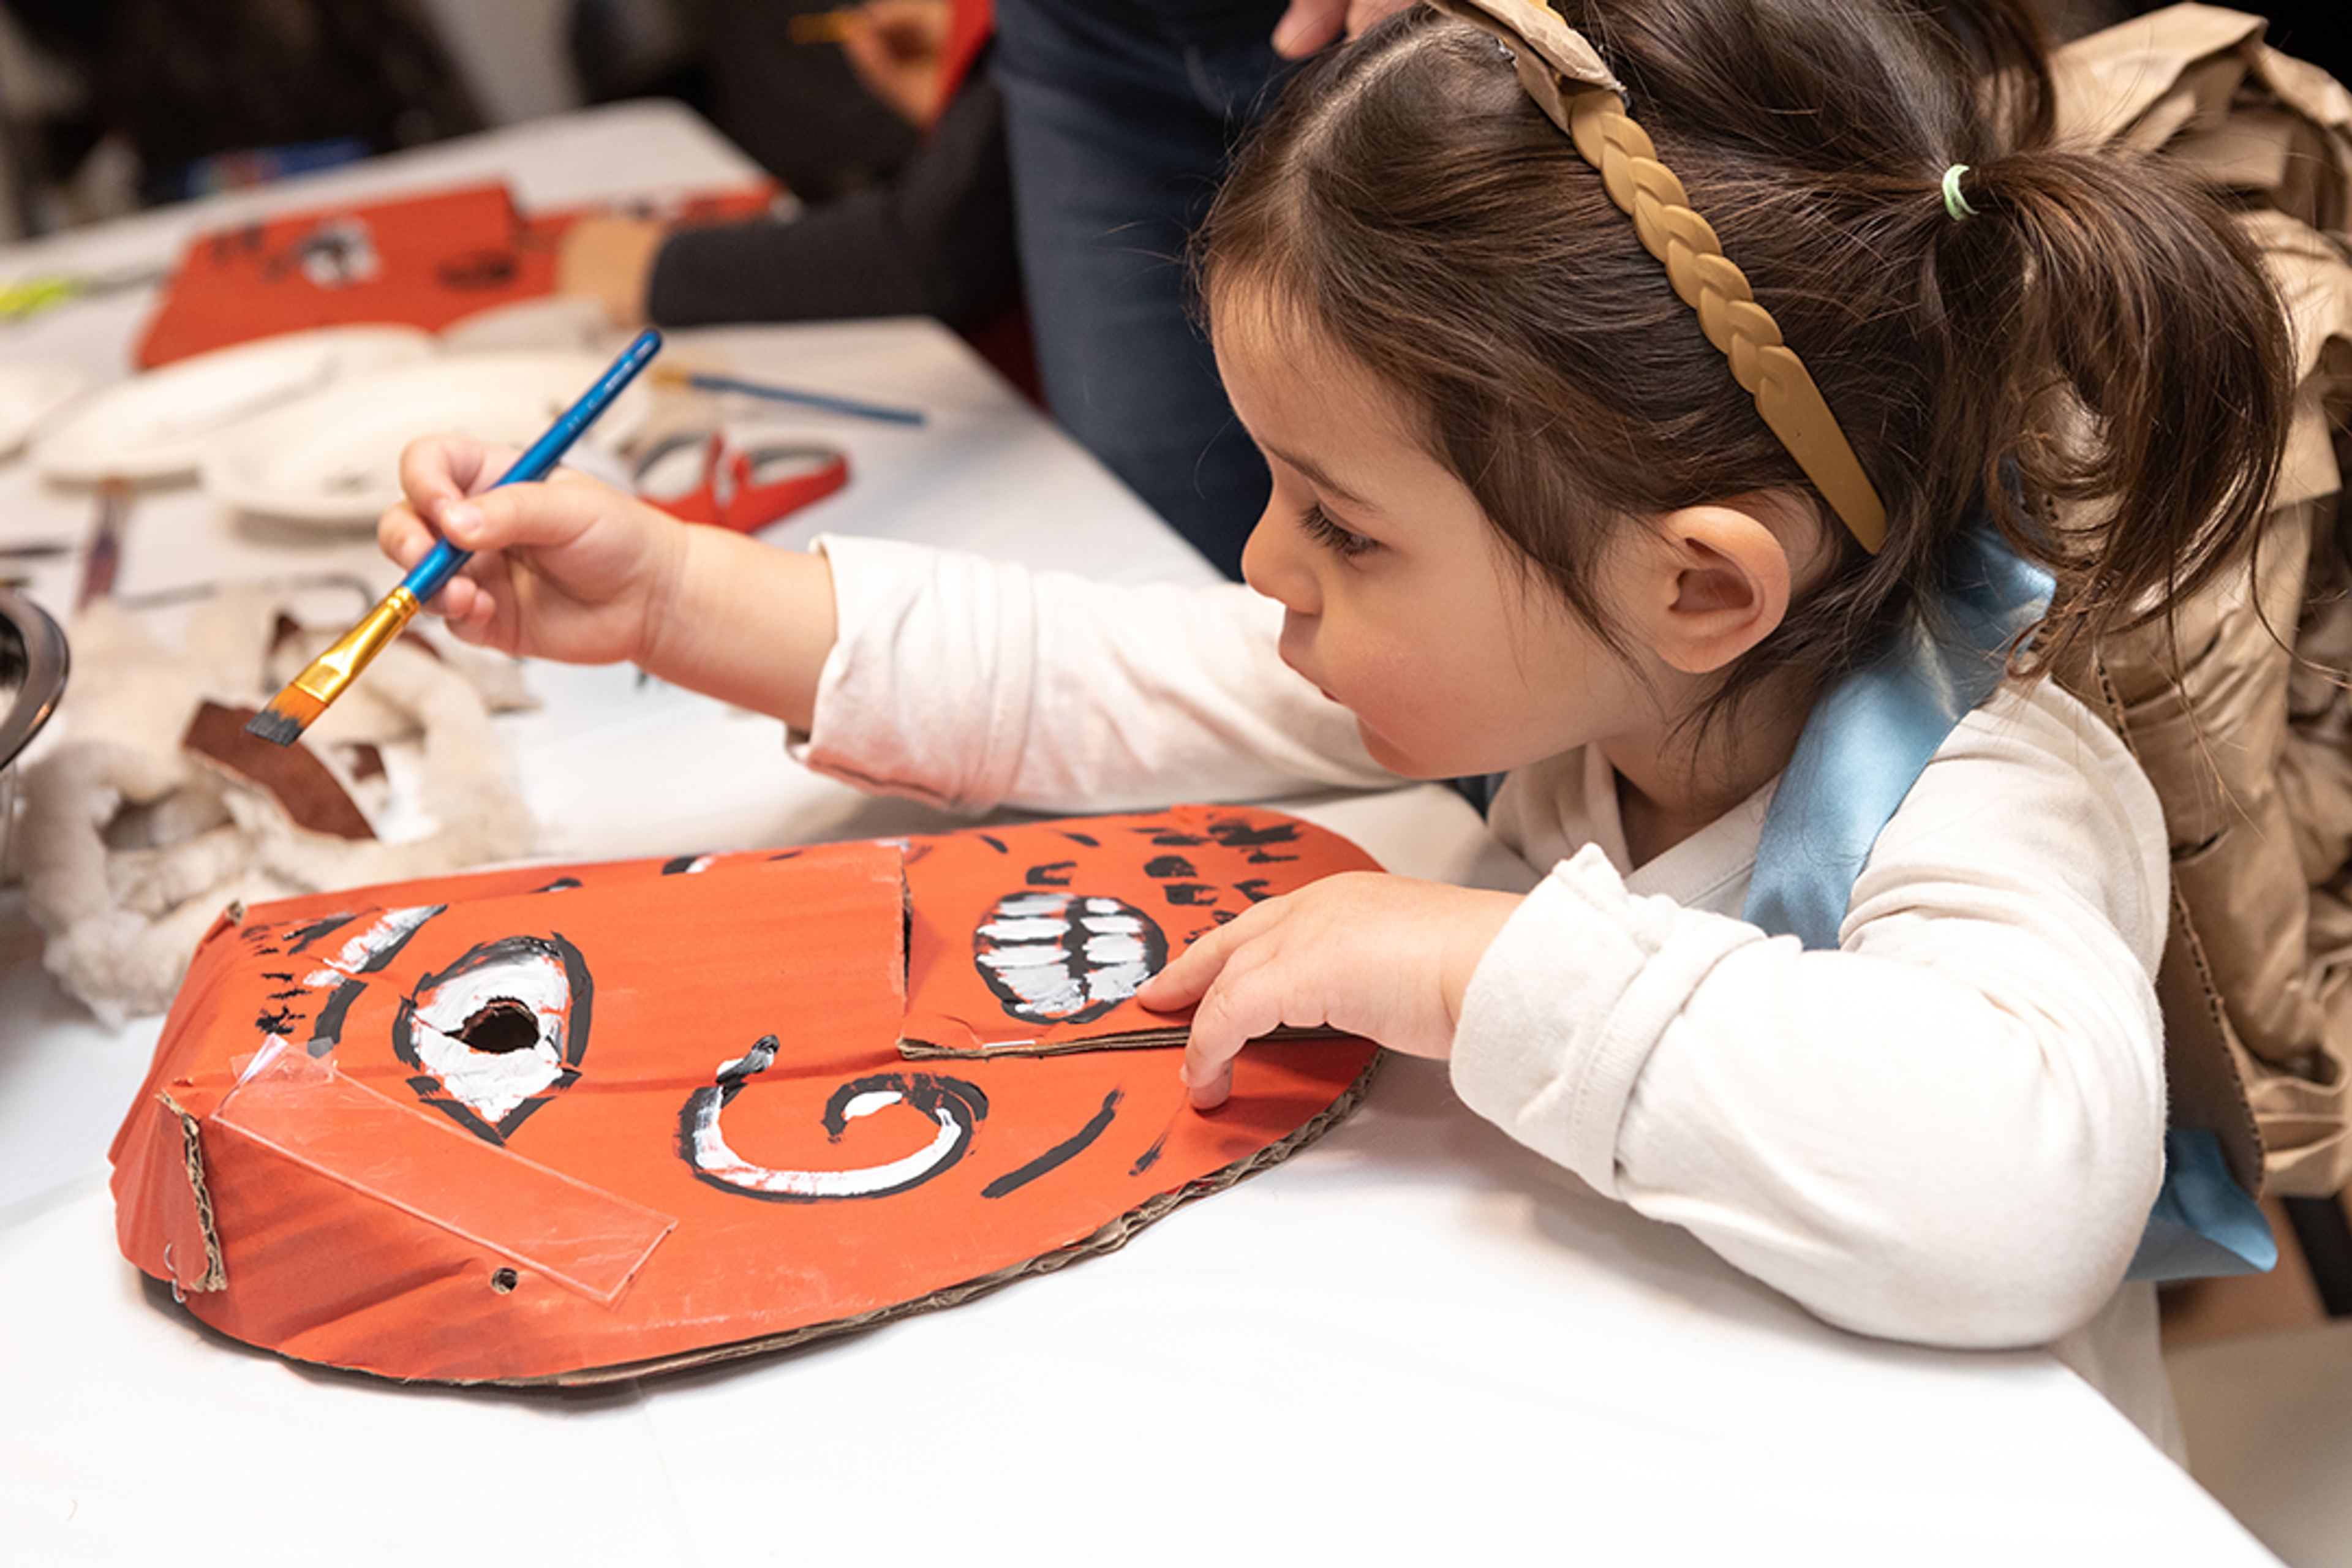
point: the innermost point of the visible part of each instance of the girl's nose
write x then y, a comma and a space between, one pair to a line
1273, 564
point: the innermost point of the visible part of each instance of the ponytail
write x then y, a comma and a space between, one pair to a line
2130, 362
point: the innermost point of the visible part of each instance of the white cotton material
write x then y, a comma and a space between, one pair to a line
121, 919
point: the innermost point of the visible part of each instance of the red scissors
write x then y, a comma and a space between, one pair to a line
744, 488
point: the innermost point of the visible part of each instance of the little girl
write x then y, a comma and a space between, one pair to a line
1662, 418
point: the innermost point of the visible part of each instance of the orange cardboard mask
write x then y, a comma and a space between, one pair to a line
577, 1123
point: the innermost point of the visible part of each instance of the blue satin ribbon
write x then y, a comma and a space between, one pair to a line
1865, 744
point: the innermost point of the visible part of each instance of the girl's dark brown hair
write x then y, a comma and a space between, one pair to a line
2098, 336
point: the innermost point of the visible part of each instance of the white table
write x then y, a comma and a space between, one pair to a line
1413, 1340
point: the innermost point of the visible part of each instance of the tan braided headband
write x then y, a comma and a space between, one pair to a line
1551, 57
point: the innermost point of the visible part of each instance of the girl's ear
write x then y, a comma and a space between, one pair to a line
1719, 586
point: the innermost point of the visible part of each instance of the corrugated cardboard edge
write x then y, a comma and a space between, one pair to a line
1173, 1037
216, 1274
1110, 1237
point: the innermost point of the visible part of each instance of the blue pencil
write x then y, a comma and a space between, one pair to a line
711, 381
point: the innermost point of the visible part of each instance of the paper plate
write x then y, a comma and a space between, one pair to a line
155, 426
30, 394
334, 456
550, 321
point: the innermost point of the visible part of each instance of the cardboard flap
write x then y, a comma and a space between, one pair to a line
1035, 947
167, 1227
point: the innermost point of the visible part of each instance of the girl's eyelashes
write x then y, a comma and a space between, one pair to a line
1330, 534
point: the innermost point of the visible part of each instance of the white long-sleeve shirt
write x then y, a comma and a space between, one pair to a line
1948, 1131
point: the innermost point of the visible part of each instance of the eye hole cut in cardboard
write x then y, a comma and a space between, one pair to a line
579, 1123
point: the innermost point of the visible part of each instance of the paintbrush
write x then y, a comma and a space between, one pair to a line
293, 710
711, 381
104, 557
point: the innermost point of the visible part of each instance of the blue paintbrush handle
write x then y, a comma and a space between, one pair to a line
430, 575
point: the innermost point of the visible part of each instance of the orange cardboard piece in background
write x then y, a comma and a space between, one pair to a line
420, 261
568, 1124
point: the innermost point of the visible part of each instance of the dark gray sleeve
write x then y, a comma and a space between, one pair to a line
935, 241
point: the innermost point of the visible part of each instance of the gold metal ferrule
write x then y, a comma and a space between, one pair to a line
335, 668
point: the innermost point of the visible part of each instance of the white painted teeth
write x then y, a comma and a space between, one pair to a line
1066, 958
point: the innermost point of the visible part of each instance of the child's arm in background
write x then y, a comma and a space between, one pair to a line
573, 570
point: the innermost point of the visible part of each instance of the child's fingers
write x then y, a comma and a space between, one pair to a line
1208, 1061
1232, 1013
438, 469
406, 540
1227, 983
521, 516
436, 474
1183, 979
1208, 1064
403, 536
468, 607
1206, 1087
1207, 1070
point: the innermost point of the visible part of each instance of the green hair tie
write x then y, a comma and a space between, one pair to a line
1953, 203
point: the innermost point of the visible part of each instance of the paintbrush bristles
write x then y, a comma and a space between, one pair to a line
306, 697
278, 726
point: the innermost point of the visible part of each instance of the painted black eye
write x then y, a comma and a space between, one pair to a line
1066, 958
498, 1033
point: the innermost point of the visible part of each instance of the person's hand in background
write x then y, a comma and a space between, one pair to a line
898, 50
1309, 25
610, 260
